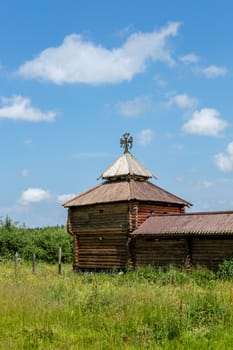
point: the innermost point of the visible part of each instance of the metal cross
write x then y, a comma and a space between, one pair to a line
126, 142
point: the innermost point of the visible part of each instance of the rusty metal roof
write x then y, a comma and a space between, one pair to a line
212, 223
117, 191
126, 166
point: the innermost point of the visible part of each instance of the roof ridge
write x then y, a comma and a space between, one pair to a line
131, 191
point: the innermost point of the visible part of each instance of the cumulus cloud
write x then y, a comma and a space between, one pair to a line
135, 107
33, 195
20, 108
189, 58
77, 60
182, 101
224, 161
145, 137
205, 122
214, 71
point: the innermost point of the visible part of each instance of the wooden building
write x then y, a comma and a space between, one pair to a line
193, 239
102, 219
127, 219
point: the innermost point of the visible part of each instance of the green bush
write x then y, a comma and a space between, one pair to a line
44, 242
225, 270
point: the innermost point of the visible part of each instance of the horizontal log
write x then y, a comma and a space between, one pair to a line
102, 265
103, 261
96, 245
98, 255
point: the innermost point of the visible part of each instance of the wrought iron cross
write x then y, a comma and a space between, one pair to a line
126, 141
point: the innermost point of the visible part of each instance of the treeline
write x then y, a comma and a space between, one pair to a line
44, 242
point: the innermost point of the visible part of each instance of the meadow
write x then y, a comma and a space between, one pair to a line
142, 309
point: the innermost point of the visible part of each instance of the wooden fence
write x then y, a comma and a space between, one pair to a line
17, 261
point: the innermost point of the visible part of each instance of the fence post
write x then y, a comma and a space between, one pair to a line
16, 262
59, 261
34, 263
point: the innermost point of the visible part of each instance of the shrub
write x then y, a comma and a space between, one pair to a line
44, 242
225, 270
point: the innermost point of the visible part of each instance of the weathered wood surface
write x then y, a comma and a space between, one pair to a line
158, 252
101, 231
190, 251
101, 251
146, 209
99, 218
210, 252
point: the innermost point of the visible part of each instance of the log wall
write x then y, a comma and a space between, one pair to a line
109, 218
100, 236
144, 209
101, 232
190, 251
211, 251
159, 252
101, 252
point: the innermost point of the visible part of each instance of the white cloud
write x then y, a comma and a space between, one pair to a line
20, 108
33, 195
145, 137
77, 60
62, 198
182, 101
205, 122
135, 107
224, 161
214, 71
189, 58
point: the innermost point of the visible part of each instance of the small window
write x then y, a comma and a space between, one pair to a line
101, 211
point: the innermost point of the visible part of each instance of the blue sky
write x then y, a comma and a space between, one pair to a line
76, 75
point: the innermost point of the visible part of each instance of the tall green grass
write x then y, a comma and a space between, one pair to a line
142, 309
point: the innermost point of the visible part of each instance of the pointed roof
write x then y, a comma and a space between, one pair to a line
126, 166
118, 191
126, 180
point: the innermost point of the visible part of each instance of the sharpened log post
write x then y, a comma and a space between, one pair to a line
34, 263
188, 255
59, 260
16, 262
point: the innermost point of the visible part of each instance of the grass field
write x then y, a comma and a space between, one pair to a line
144, 309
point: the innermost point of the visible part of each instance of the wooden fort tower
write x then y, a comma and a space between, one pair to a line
102, 218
